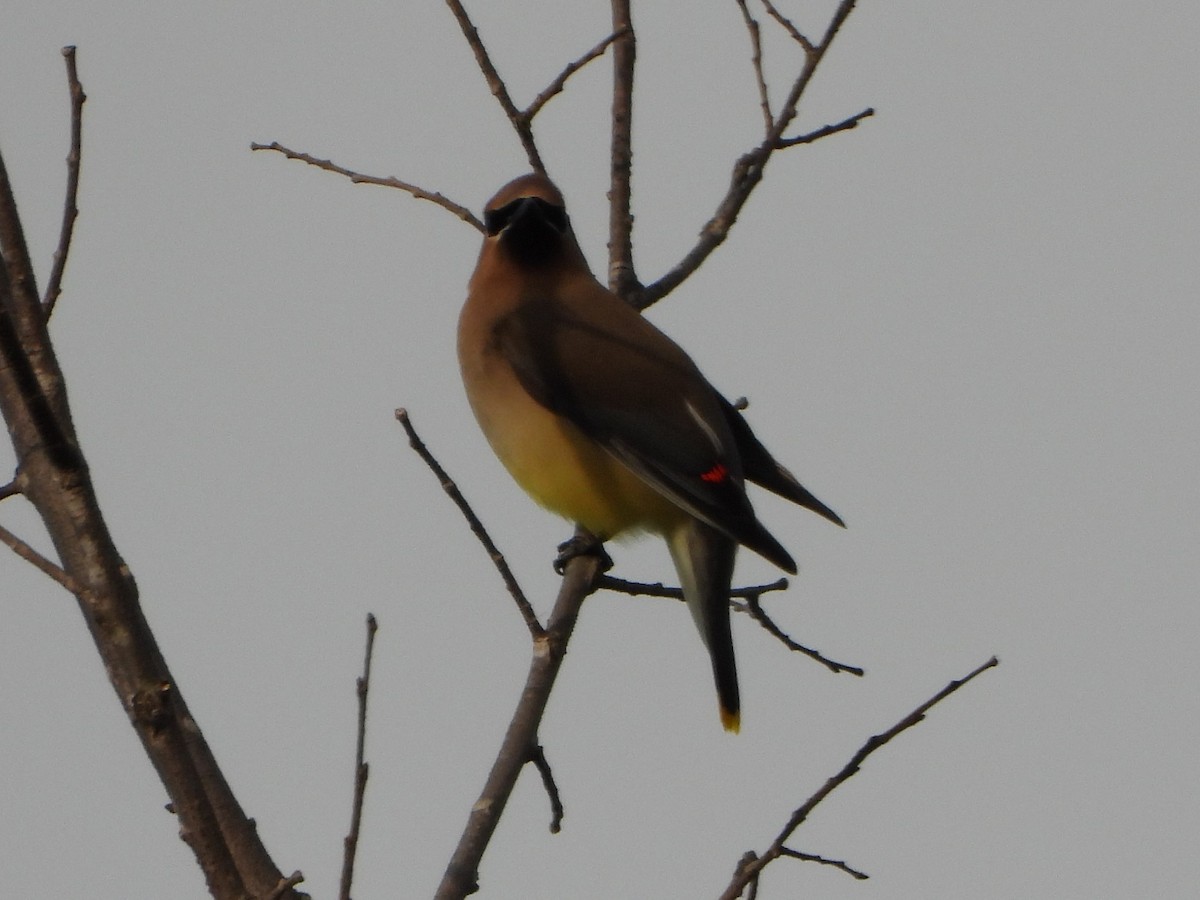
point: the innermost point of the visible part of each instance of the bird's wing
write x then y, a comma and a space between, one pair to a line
637, 394
761, 468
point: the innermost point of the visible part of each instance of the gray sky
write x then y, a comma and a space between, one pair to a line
970, 326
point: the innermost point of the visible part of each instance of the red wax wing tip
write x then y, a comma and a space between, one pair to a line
716, 474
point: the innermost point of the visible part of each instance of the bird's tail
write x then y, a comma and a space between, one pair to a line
703, 558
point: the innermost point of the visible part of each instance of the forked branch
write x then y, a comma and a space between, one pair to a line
748, 169
751, 865
744, 600
52, 474
521, 119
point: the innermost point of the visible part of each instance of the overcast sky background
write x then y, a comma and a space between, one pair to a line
970, 326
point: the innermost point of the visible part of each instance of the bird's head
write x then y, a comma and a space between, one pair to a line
527, 220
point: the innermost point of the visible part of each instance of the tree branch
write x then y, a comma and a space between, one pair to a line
622, 277
538, 758
39, 562
556, 86
752, 607
756, 612
835, 863
462, 874
70, 210
844, 125
756, 61
748, 170
53, 476
498, 560
521, 123
361, 769
788, 26
658, 589
751, 865
358, 178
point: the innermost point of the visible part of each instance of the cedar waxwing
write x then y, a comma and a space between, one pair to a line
604, 420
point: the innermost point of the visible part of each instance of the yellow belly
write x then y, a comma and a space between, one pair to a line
569, 474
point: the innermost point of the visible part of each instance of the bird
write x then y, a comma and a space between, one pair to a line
606, 421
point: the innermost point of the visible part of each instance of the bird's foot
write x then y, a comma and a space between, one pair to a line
581, 545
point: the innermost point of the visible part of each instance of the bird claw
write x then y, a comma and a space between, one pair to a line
581, 546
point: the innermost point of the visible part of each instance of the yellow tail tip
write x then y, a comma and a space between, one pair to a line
731, 720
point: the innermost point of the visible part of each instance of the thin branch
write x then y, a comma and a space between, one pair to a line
788, 26
748, 170
9, 490
658, 589
538, 757
462, 874
556, 86
54, 478
361, 769
70, 210
756, 60
752, 607
756, 612
748, 871
844, 125
521, 120
39, 562
358, 178
498, 560
622, 277
497, 86
835, 863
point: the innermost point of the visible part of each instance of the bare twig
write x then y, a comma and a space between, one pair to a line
751, 866
756, 60
835, 863
462, 874
556, 86
521, 119
39, 562
537, 756
498, 560
70, 210
622, 278
520, 122
788, 26
844, 125
751, 606
10, 490
358, 178
658, 589
54, 478
756, 612
748, 170
361, 770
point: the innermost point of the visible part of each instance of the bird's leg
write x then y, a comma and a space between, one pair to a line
582, 543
